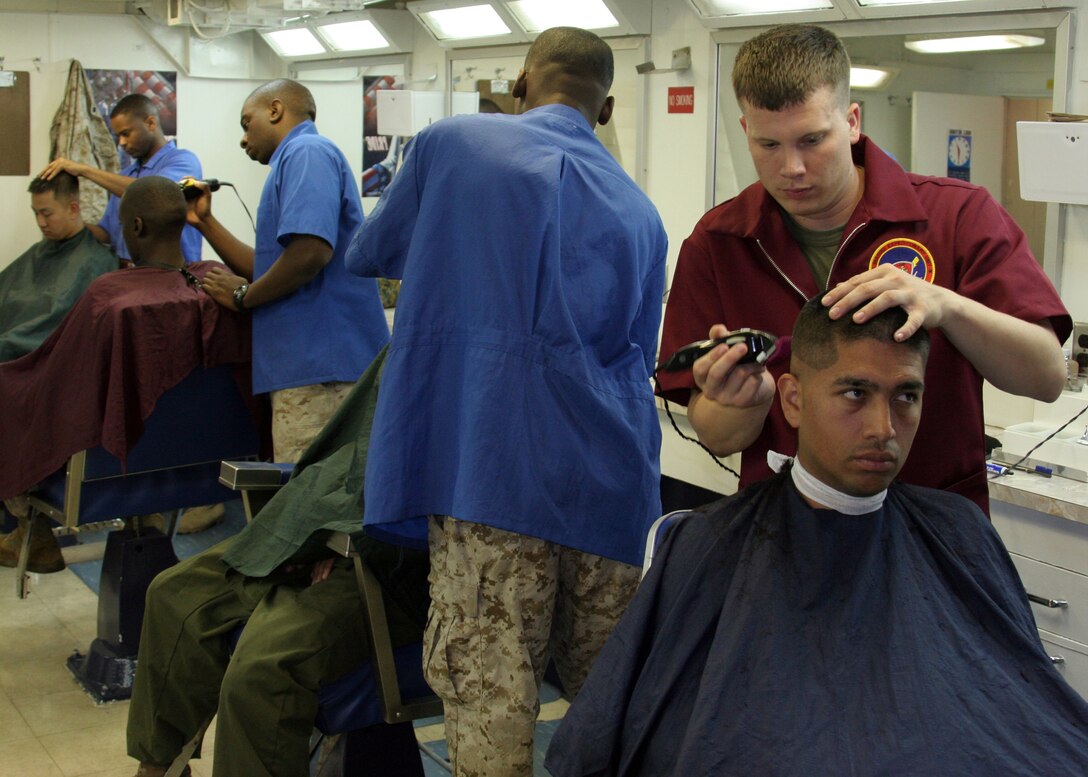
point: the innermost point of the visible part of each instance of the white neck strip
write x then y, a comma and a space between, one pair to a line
823, 494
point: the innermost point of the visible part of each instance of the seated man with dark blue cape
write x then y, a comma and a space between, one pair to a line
829, 621
42, 285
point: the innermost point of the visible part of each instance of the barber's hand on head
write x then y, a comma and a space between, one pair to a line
61, 165
220, 284
321, 570
720, 378
874, 291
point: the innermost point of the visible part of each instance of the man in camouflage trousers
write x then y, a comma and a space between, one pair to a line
315, 326
516, 424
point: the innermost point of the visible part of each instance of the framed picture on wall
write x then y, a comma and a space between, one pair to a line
380, 152
109, 86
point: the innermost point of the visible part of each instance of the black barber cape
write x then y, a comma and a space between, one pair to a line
770, 639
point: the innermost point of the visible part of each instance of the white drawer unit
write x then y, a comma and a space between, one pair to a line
1061, 542
1066, 592
1051, 555
1072, 659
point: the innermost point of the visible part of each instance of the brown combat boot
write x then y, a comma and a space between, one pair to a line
198, 519
45, 556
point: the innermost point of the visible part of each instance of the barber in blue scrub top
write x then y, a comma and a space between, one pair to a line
135, 122
516, 424
315, 326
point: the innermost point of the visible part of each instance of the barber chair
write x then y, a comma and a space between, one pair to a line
372, 708
655, 537
173, 466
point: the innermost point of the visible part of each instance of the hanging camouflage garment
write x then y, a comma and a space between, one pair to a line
80, 133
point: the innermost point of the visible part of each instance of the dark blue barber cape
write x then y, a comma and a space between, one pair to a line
770, 638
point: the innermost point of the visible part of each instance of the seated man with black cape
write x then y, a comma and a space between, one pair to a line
42, 285
829, 621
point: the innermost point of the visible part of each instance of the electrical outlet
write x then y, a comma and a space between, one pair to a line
1079, 349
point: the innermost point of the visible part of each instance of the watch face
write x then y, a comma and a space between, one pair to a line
959, 150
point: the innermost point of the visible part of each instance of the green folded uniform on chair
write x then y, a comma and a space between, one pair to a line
325, 495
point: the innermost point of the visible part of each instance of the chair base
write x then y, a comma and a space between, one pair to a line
103, 673
132, 560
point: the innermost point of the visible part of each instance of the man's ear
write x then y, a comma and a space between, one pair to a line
137, 226
275, 110
853, 121
151, 121
518, 90
789, 394
606, 110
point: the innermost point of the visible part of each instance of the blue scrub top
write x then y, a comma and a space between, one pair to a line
331, 328
516, 392
169, 162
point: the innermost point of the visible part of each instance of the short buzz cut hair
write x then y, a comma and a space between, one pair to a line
295, 97
138, 106
159, 202
782, 67
580, 53
64, 186
816, 335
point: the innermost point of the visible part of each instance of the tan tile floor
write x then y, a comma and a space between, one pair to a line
48, 726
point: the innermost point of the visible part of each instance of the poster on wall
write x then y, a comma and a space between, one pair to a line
379, 151
380, 155
109, 86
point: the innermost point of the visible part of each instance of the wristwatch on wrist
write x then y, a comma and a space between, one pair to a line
240, 296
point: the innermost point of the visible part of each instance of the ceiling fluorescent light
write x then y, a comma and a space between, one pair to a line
539, 15
972, 43
359, 35
297, 42
902, 2
865, 77
472, 21
711, 8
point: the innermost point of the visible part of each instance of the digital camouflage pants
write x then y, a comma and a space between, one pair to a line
502, 604
298, 414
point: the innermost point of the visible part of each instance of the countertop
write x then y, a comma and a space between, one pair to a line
1057, 496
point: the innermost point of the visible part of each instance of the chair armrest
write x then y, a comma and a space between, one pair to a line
340, 542
254, 475
251, 477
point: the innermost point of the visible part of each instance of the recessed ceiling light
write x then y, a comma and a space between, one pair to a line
539, 15
298, 42
973, 43
472, 21
359, 35
869, 77
904, 2
736, 7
